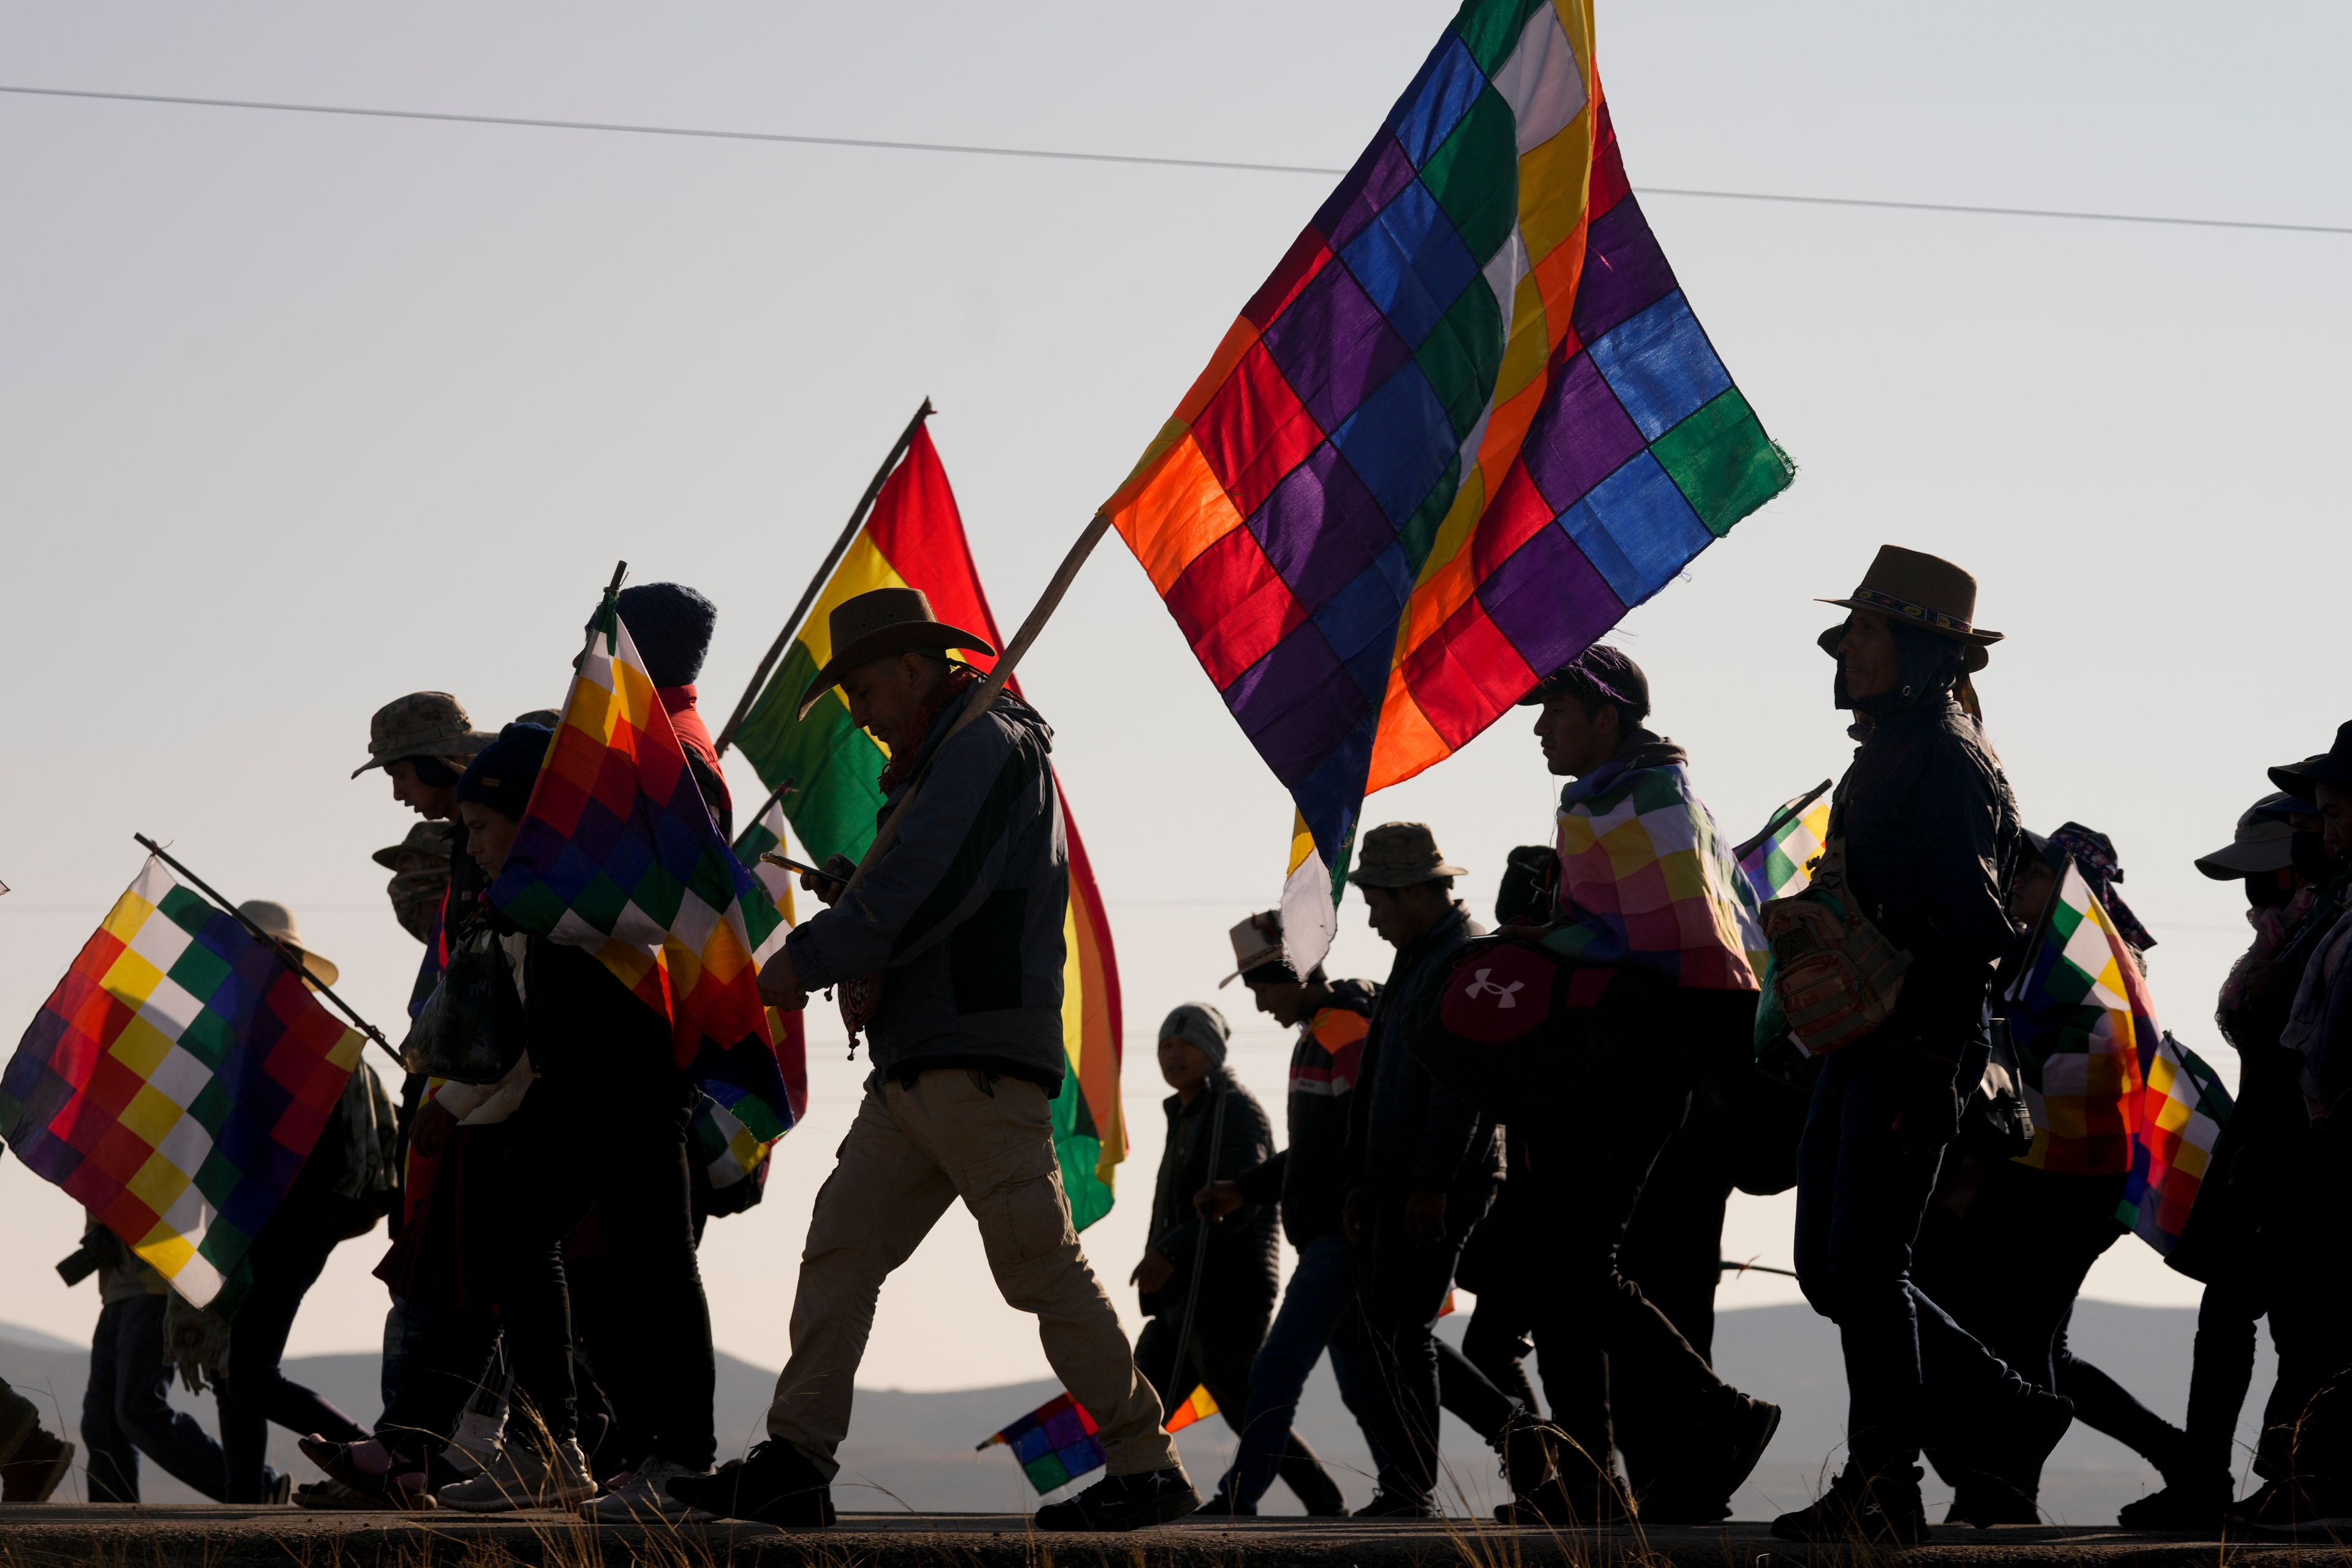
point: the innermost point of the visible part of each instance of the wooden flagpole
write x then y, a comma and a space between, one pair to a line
824, 573
286, 953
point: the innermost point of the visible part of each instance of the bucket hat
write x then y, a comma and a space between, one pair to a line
1401, 854
277, 921
438, 840
2331, 766
1918, 590
881, 623
421, 724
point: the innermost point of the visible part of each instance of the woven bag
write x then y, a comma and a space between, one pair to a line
1834, 974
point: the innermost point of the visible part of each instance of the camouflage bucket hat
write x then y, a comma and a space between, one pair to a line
422, 724
437, 840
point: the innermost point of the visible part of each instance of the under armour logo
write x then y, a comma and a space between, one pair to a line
1506, 996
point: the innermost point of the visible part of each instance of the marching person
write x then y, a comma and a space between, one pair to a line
1928, 833
948, 954
1205, 1333
1308, 1179
1589, 1169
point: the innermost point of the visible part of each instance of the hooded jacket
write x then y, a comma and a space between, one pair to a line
1406, 1133
962, 917
1310, 1178
1931, 836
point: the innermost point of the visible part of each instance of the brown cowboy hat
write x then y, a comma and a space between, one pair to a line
879, 624
1914, 589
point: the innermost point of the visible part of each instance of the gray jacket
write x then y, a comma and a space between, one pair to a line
962, 916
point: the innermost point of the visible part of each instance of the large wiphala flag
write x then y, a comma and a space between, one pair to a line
1466, 424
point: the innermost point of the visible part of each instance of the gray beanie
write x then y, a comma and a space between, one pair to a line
1198, 1024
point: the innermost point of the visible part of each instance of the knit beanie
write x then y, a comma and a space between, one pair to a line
501, 774
1198, 1024
670, 623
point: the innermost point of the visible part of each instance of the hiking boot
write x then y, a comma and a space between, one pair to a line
1869, 1509
522, 1477
1124, 1502
643, 1498
1524, 1447
402, 1486
2180, 1506
1746, 1435
1985, 1502
34, 1471
1390, 1502
774, 1484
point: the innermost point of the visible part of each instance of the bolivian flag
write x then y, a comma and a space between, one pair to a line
914, 538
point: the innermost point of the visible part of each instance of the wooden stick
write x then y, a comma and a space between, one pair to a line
823, 572
286, 954
983, 698
1782, 818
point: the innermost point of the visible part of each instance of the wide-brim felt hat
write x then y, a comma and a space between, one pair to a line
1401, 854
2331, 766
882, 624
1915, 589
277, 921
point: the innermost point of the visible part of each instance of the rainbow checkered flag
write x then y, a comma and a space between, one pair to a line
2182, 1108
618, 854
176, 1080
1779, 861
1055, 1443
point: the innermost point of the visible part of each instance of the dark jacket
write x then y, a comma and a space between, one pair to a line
1239, 1269
1405, 1132
1931, 836
962, 915
592, 1043
1310, 1178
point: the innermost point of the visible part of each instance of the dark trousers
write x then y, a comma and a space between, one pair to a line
126, 1410
598, 1146
450, 1361
2220, 1374
1222, 1344
2008, 1269
1592, 1320
256, 1392
2307, 1420
1862, 1191
1402, 1286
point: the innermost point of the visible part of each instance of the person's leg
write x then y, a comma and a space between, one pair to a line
1402, 1291
546, 1192
112, 1459
994, 1139
657, 1358
1497, 1343
1155, 1358
255, 1392
142, 1404
403, 1337
2221, 1374
454, 1358
1320, 1286
883, 1197
1230, 1339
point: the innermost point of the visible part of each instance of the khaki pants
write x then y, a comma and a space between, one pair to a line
910, 1152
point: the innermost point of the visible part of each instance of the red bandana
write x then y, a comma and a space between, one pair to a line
961, 678
692, 733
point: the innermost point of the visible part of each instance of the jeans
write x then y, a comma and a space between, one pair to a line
1219, 1356
255, 1393
577, 1146
126, 1411
1402, 1293
404, 1341
1861, 1191
1317, 1312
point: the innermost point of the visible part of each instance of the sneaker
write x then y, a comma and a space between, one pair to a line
1870, 1509
1984, 1502
1124, 1502
1558, 1504
1390, 1502
34, 1471
398, 1487
776, 1484
643, 1497
522, 1477
2180, 1506
277, 1487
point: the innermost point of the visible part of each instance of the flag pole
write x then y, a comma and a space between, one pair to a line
816, 583
986, 695
283, 952
1782, 818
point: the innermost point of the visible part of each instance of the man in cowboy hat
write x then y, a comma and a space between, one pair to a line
1928, 833
954, 939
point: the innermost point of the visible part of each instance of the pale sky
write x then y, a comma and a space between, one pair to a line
301, 413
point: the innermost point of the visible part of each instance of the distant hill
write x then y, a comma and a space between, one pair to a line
915, 1450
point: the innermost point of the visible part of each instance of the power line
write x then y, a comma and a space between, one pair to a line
976, 150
